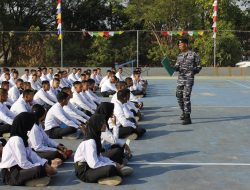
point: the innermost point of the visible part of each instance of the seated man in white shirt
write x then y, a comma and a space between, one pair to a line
72, 77
5, 70
54, 89
34, 83
14, 78
127, 127
14, 92
136, 100
89, 102
44, 75
98, 76
6, 116
5, 85
108, 87
138, 88
79, 101
25, 76
50, 74
119, 74
23, 104
72, 109
132, 111
56, 116
64, 82
42, 97
90, 92
108, 75
7, 78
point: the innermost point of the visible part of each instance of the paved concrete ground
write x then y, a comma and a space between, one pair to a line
212, 153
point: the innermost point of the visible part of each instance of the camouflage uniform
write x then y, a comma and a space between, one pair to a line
188, 64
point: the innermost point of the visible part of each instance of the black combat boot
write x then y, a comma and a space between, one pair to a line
187, 119
182, 116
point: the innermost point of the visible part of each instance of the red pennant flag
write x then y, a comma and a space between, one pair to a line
164, 33
215, 19
215, 30
185, 33
106, 34
215, 8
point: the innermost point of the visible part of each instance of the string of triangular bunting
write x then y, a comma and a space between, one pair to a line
182, 33
106, 34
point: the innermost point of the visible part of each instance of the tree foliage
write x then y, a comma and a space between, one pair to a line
33, 48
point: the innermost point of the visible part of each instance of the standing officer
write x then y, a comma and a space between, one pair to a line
188, 64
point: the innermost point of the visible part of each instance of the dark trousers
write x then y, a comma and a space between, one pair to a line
50, 155
89, 175
137, 92
58, 133
116, 154
4, 128
183, 94
16, 176
126, 131
108, 93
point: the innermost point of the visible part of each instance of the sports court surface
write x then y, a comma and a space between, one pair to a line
212, 153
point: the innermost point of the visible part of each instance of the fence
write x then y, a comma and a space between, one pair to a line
104, 49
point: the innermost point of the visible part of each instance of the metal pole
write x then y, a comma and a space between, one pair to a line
62, 50
215, 51
137, 48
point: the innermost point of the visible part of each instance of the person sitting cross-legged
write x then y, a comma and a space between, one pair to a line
56, 116
45, 147
20, 164
90, 165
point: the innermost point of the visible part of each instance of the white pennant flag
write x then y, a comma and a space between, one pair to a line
112, 33
214, 25
59, 26
215, 3
91, 34
215, 13
190, 33
214, 35
58, 6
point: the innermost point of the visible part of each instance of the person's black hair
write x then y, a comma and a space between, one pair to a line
128, 79
66, 89
91, 81
61, 96
121, 94
26, 70
108, 71
19, 80
76, 83
21, 125
38, 111
107, 109
5, 83
183, 40
56, 79
94, 125
45, 82
120, 83
27, 92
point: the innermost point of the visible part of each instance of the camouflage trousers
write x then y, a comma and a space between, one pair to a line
183, 94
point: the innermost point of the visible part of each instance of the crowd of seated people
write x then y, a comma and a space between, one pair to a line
40, 106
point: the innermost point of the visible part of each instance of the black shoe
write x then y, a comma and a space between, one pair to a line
187, 119
182, 116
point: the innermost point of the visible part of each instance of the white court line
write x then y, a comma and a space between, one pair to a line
239, 84
215, 107
183, 164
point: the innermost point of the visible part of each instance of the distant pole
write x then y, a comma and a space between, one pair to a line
215, 52
215, 6
137, 48
62, 50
